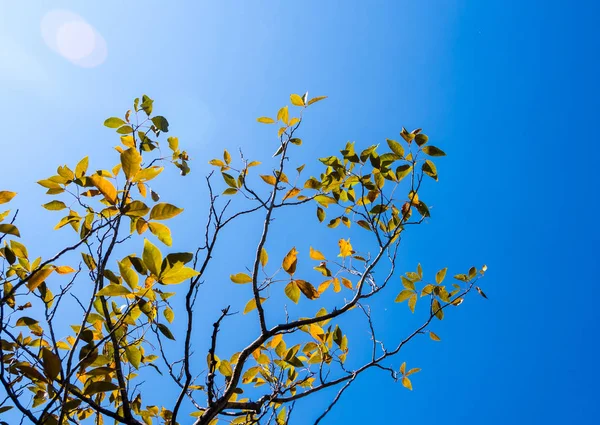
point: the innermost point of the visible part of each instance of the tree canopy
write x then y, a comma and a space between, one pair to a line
134, 306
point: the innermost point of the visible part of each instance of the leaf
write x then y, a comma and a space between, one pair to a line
291, 193
162, 232
9, 229
129, 276
165, 331
434, 336
265, 120
433, 151
105, 187
6, 196
81, 167
99, 387
264, 257
292, 291
55, 206
164, 211
169, 314
320, 214
152, 257
161, 123
395, 147
307, 289
316, 99
51, 363
436, 308
481, 292
269, 179
412, 302
251, 305
406, 383
134, 355
439, 276
345, 248
240, 278
131, 161
316, 255
290, 261
114, 122
177, 274
38, 277
113, 290
430, 169
325, 200
404, 295
64, 269
296, 100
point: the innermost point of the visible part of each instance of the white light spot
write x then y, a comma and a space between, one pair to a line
75, 40
72, 37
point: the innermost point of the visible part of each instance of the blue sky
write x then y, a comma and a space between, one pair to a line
508, 89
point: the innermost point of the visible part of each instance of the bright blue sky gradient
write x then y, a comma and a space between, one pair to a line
508, 89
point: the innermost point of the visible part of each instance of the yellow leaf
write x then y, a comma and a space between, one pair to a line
406, 382
164, 211
105, 187
38, 277
240, 278
81, 167
131, 161
265, 120
345, 248
296, 100
251, 305
291, 193
412, 302
64, 269
292, 291
290, 261
152, 257
307, 289
283, 114
128, 141
177, 274
439, 277
316, 99
269, 179
316, 255
6, 196
148, 174
162, 232
264, 257
347, 283
113, 290
434, 336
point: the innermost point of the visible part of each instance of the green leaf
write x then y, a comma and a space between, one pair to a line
240, 278
113, 290
164, 211
292, 291
161, 123
152, 257
165, 331
114, 122
433, 151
